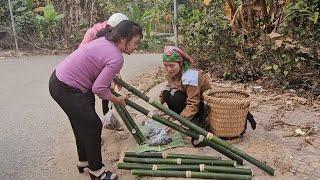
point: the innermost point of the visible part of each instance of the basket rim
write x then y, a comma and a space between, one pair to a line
210, 91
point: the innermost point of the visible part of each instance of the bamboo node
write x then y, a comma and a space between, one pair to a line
154, 167
150, 101
210, 135
164, 155
200, 138
201, 166
188, 174
150, 115
179, 161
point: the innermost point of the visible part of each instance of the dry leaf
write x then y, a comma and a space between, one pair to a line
206, 2
278, 42
239, 55
274, 35
228, 11
289, 40
304, 50
299, 131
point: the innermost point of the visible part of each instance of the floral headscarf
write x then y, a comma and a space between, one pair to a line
174, 54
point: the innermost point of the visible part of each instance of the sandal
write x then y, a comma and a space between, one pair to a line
107, 175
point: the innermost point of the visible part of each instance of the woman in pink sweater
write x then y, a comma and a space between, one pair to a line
98, 30
87, 71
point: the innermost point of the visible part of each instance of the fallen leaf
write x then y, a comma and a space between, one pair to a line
239, 55
289, 40
206, 2
278, 42
228, 11
274, 35
304, 50
299, 131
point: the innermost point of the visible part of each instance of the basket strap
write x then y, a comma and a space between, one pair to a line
251, 120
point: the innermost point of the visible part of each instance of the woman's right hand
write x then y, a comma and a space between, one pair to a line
121, 100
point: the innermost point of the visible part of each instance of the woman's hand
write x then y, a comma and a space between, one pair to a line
121, 100
118, 85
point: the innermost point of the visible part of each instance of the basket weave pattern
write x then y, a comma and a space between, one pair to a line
228, 111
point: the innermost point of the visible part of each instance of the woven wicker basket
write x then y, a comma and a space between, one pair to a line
228, 111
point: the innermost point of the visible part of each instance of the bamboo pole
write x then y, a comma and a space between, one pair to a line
179, 161
134, 125
198, 168
185, 131
168, 155
137, 135
196, 128
189, 174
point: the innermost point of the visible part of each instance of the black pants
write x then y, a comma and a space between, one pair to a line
177, 101
85, 122
105, 107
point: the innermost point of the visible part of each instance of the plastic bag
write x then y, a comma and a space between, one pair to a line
110, 120
160, 139
153, 128
157, 135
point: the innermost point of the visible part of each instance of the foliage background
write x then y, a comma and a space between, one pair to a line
275, 43
255, 54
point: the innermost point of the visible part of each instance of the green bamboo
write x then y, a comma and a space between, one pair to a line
192, 174
206, 168
134, 132
168, 155
198, 129
134, 125
185, 131
179, 161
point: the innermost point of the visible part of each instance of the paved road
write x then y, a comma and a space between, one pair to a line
32, 125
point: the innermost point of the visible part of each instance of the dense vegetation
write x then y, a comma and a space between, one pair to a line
272, 42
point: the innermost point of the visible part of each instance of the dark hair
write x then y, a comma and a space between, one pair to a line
125, 29
103, 31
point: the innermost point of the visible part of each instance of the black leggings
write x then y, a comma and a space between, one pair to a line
85, 122
105, 107
177, 101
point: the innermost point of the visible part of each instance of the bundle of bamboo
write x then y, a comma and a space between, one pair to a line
182, 165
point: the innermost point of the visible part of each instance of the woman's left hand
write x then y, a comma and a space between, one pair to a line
118, 85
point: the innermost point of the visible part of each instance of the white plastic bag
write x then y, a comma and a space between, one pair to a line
110, 120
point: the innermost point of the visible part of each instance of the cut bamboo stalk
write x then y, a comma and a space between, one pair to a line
137, 135
134, 125
168, 155
189, 174
199, 168
179, 161
196, 128
185, 131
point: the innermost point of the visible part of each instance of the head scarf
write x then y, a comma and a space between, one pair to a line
174, 54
